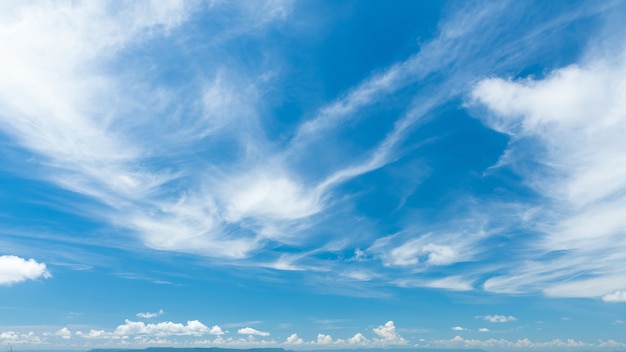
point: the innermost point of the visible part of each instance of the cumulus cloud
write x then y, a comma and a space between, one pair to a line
357, 339
14, 338
389, 334
193, 327
251, 331
611, 343
323, 339
484, 330
458, 328
497, 318
293, 339
216, 330
149, 315
525, 343
617, 296
64, 333
93, 334
14, 269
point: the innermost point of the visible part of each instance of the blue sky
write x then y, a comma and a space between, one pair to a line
313, 174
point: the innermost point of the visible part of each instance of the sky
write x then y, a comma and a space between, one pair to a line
313, 174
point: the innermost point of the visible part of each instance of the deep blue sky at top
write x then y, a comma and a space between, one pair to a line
313, 174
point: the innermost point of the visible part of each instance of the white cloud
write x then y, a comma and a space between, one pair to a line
525, 343
569, 125
484, 330
14, 338
93, 334
357, 339
458, 328
269, 195
453, 283
14, 269
251, 331
410, 252
611, 343
293, 339
64, 333
388, 334
130, 328
617, 296
149, 315
323, 339
497, 318
216, 330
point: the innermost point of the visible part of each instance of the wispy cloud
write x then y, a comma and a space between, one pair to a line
149, 315
252, 331
497, 318
209, 180
569, 124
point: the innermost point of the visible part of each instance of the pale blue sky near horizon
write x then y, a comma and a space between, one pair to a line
313, 174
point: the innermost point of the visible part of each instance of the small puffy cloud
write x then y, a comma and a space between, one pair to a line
483, 330
251, 331
388, 333
497, 318
323, 339
64, 333
92, 334
14, 269
458, 328
149, 315
216, 330
293, 339
357, 339
617, 296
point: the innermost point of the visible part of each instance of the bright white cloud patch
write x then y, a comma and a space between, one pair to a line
216, 330
252, 331
64, 333
14, 269
570, 125
323, 339
388, 334
193, 327
293, 339
617, 296
458, 328
498, 318
149, 315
